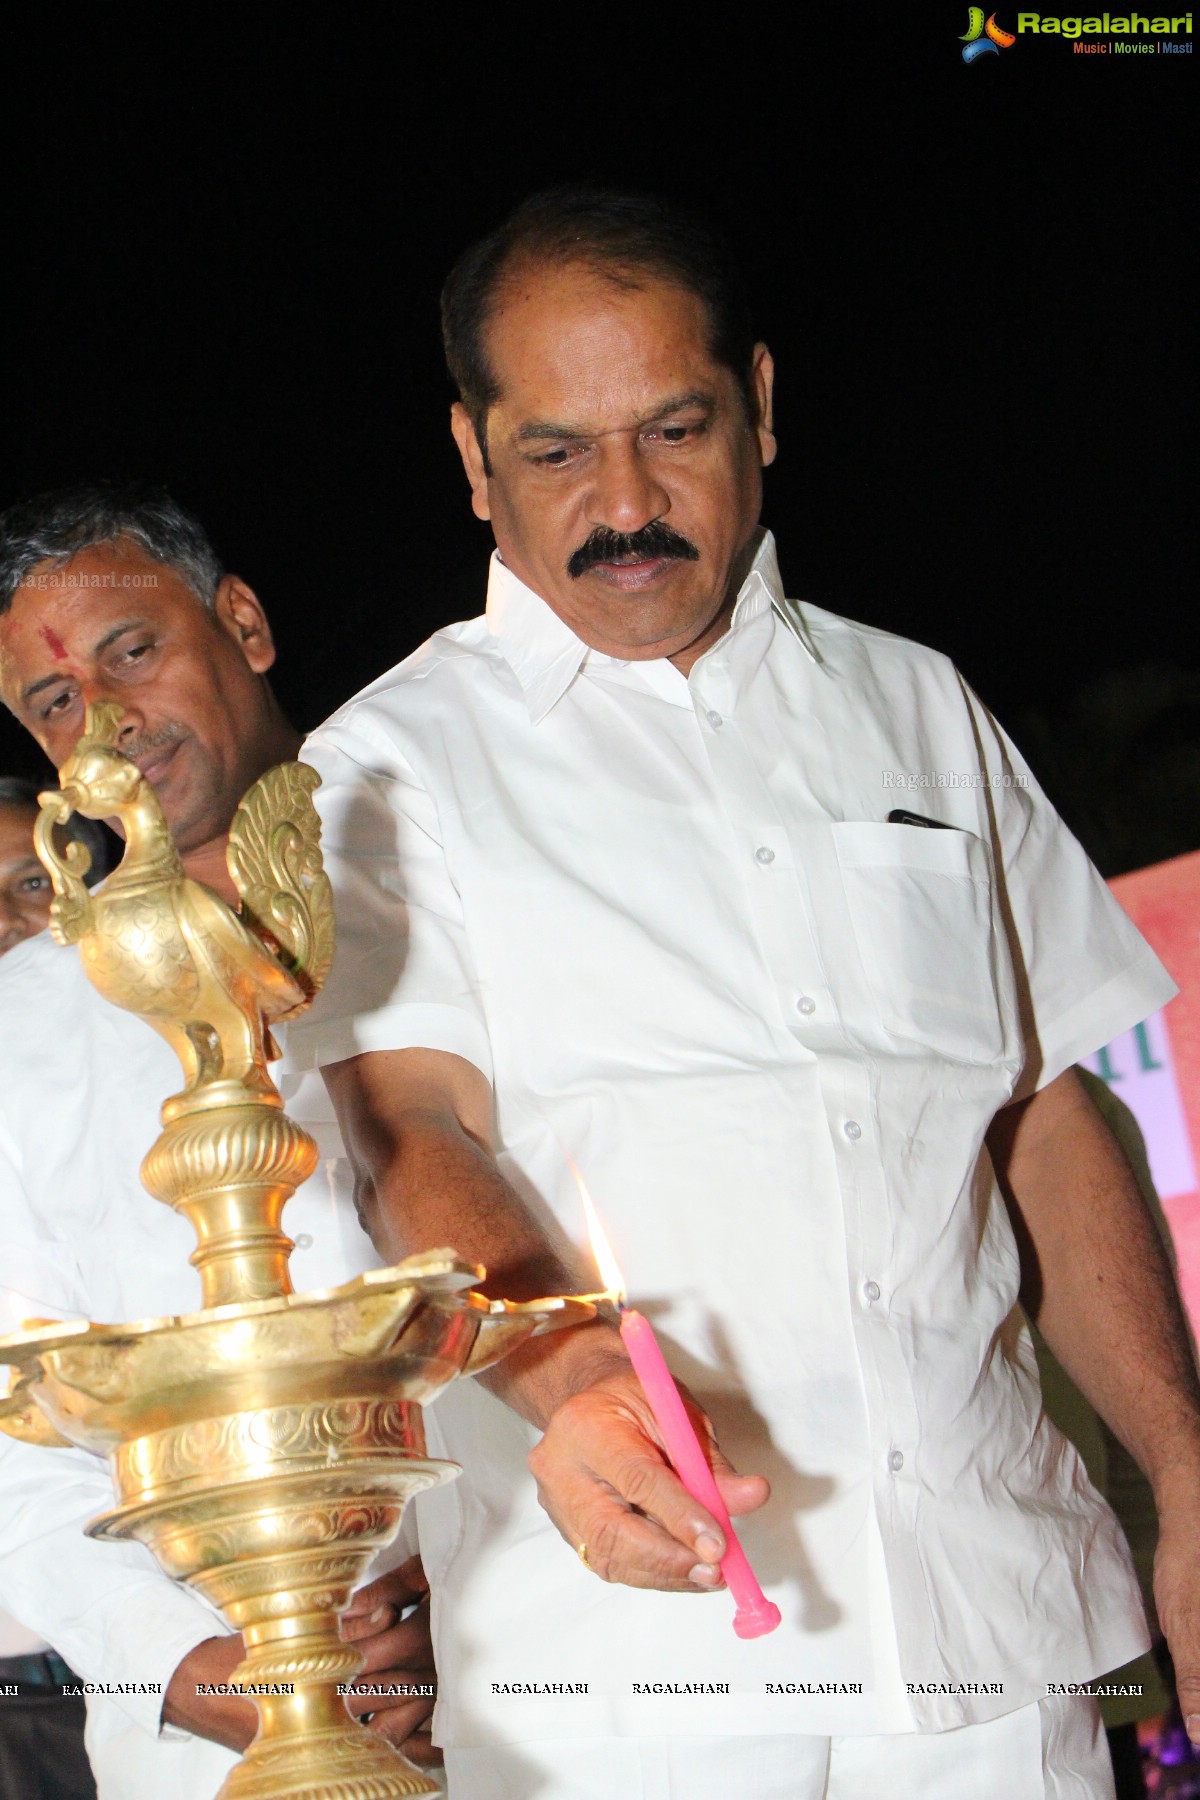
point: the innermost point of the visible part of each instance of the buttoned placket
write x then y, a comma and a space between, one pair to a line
778, 886
760, 835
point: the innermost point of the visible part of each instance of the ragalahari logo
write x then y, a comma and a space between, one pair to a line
982, 39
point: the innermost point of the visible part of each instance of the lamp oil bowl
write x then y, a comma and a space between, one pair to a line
263, 1451
263, 1448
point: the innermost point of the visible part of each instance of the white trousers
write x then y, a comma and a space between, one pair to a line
1054, 1749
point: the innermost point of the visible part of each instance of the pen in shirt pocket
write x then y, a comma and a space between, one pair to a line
898, 816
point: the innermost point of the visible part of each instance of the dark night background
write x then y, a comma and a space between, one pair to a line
226, 239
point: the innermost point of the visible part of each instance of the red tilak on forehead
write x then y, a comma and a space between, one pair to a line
54, 643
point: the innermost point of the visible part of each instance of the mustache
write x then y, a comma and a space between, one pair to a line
137, 747
653, 540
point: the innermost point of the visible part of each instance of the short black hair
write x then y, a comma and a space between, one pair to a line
54, 527
623, 235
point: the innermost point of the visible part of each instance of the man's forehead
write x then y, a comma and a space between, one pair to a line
573, 332
60, 620
86, 597
16, 833
119, 564
63, 614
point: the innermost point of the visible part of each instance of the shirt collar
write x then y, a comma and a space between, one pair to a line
763, 588
545, 655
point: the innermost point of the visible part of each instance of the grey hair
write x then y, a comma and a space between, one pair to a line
56, 526
22, 795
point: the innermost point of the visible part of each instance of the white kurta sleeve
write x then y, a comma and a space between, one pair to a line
1084, 972
403, 975
106, 1608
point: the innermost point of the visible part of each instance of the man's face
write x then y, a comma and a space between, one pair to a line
613, 418
25, 890
115, 624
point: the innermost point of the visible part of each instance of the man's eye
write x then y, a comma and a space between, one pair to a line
58, 704
560, 456
35, 884
135, 652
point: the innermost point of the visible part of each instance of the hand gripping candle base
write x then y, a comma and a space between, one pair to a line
264, 1447
755, 1615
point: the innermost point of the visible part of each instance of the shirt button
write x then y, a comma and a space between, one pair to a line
715, 720
764, 854
895, 1461
806, 1004
304, 1240
853, 1130
871, 1290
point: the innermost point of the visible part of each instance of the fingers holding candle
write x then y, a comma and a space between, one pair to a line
604, 1479
740, 1494
755, 1614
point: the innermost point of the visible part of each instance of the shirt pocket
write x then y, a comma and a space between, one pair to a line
920, 905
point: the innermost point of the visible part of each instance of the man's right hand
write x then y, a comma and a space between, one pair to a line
225, 1718
417, 1125
604, 1479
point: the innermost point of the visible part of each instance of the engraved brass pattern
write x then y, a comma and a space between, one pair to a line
316, 1434
264, 1447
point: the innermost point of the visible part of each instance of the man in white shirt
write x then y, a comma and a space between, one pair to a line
617, 881
41, 1728
116, 594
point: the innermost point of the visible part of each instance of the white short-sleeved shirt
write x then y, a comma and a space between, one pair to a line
669, 919
81, 1084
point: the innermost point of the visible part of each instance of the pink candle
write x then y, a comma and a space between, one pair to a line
755, 1614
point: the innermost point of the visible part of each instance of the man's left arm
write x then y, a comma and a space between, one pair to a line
1096, 1279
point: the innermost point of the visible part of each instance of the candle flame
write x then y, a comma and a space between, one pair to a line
602, 1250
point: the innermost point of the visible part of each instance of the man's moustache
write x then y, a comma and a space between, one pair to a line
652, 541
138, 747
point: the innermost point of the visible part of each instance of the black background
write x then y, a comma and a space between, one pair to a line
226, 240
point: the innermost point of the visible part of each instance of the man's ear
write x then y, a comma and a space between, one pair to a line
762, 377
238, 611
471, 451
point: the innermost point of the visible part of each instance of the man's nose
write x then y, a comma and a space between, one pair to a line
97, 689
626, 494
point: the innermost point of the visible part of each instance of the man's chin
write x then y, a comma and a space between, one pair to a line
648, 646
